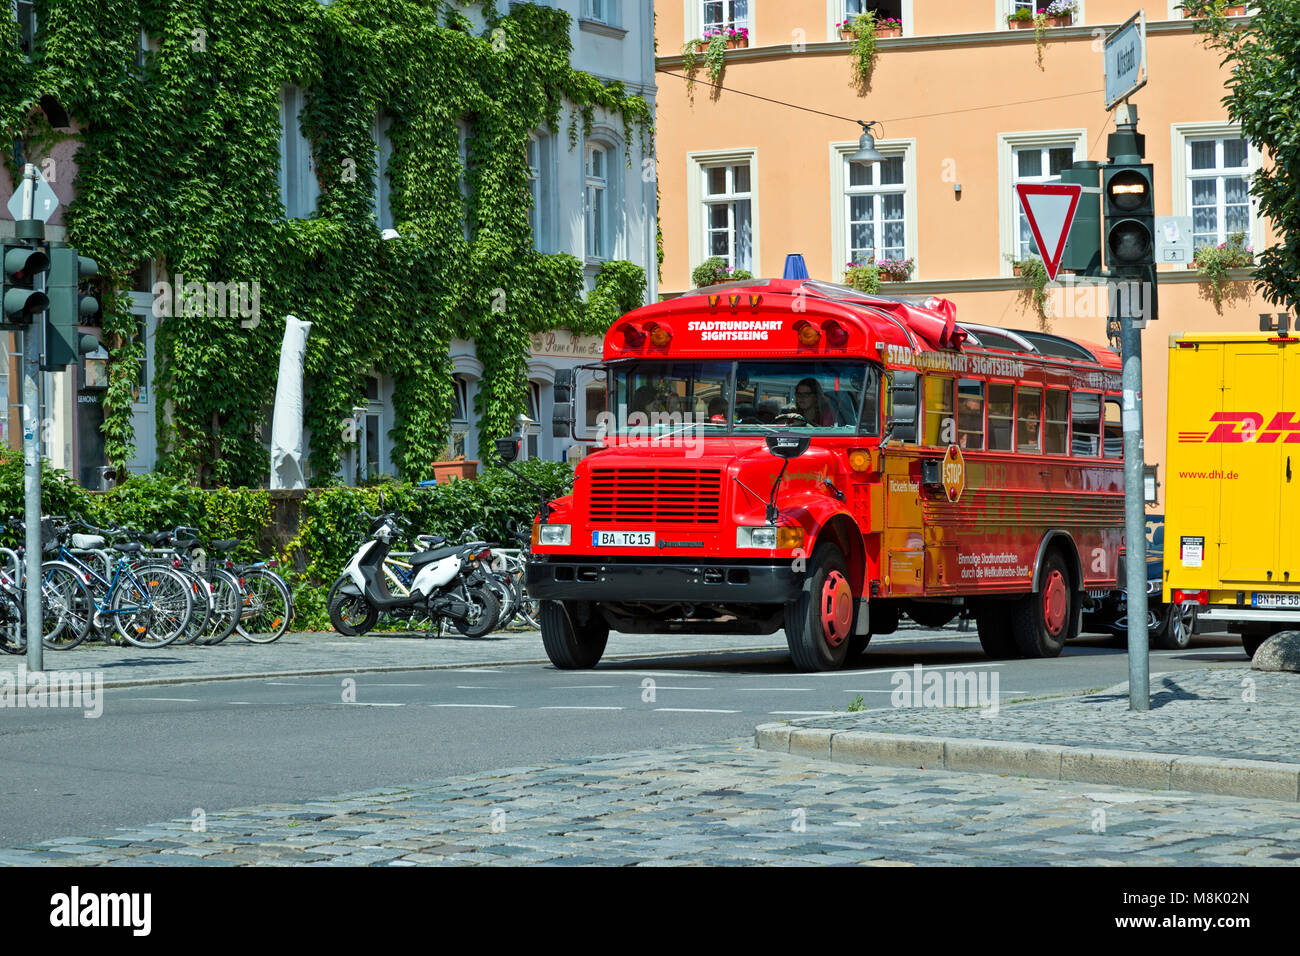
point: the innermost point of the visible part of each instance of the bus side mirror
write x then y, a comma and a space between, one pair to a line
787, 446
561, 420
507, 449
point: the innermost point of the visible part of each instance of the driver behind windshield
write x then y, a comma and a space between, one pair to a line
811, 403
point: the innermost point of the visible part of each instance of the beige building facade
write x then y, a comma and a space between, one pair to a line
968, 108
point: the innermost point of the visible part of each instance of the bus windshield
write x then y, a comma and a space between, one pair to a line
719, 398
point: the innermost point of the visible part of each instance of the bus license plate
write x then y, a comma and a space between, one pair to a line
623, 539
1275, 600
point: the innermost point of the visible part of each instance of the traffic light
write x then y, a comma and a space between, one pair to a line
64, 344
22, 264
1128, 202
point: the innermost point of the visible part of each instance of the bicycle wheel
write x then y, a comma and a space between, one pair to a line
13, 638
67, 607
202, 596
152, 606
267, 607
227, 599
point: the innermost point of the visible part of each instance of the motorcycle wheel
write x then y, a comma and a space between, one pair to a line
489, 610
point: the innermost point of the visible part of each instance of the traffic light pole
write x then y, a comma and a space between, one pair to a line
33, 230
1125, 146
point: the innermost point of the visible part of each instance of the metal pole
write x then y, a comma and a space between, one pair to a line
1135, 539
32, 438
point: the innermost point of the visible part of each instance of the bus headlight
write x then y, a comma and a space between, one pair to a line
555, 535
769, 538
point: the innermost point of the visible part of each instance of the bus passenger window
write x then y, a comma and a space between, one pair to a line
1056, 421
938, 411
970, 414
1085, 427
1028, 418
1114, 429
1000, 416
903, 402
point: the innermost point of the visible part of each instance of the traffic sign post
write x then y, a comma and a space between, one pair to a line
1050, 209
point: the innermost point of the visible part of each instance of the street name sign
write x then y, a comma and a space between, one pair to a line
44, 204
1050, 209
1126, 60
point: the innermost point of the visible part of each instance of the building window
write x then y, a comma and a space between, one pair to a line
25, 15
1218, 189
876, 203
381, 198
602, 11
462, 150
540, 214
142, 379
885, 9
535, 413
299, 187
1036, 164
459, 418
728, 206
597, 203
724, 14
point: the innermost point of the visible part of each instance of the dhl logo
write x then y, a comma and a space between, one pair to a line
1240, 427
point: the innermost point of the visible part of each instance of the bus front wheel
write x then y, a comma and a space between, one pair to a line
819, 622
574, 634
1044, 620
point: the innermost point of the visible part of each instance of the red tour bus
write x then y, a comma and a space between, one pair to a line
795, 454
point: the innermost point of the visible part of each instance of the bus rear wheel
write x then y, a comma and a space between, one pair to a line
993, 621
819, 622
1042, 621
574, 634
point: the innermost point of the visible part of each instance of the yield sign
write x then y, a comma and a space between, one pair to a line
1050, 209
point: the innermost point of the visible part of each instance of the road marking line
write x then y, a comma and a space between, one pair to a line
559, 707
590, 686
804, 713
245, 703
393, 685
695, 710
781, 690
178, 700
366, 703
472, 687
662, 687
492, 706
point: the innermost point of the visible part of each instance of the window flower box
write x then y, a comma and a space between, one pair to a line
1020, 23
1062, 21
445, 471
737, 37
889, 28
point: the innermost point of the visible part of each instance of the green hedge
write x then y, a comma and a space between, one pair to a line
329, 530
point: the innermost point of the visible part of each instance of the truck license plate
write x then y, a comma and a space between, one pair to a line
623, 539
1275, 600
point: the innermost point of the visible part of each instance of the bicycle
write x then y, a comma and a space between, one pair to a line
266, 602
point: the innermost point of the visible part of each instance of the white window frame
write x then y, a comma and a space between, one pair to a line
839, 155
545, 213
299, 188
1007, 7
693, 19
837, 12
1008, 204
1181, 134
607, 12
13, 8
381, 199
603, 187
459, 425
701, 210
462, 151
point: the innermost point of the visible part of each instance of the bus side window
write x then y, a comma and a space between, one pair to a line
1056, 421
1114, 429
939, 424
970, 414
1029, 411
1085, 417
1001, 416
903, 402
869, 423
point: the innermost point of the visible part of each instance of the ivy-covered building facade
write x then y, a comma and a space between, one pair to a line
458, 196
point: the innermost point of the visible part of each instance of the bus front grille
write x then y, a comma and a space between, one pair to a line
656, 496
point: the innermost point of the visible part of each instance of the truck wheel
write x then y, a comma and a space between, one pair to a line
573, 634
1251, 643
993, 621
1042, 621
819, 622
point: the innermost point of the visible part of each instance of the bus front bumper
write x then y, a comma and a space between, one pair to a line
575, 579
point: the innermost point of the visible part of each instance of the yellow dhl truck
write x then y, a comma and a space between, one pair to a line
1232, 485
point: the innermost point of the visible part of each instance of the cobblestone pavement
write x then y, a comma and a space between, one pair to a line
307, 653
715, 804
1220, 712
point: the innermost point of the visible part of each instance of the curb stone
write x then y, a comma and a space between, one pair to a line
1258, 779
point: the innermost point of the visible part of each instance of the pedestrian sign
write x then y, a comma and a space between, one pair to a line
1050, 209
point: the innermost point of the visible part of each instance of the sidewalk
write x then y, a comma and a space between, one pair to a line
316, 653
1228, 731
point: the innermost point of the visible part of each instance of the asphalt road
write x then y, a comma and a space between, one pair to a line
163, 752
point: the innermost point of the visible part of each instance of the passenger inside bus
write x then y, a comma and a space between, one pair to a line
718, 409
